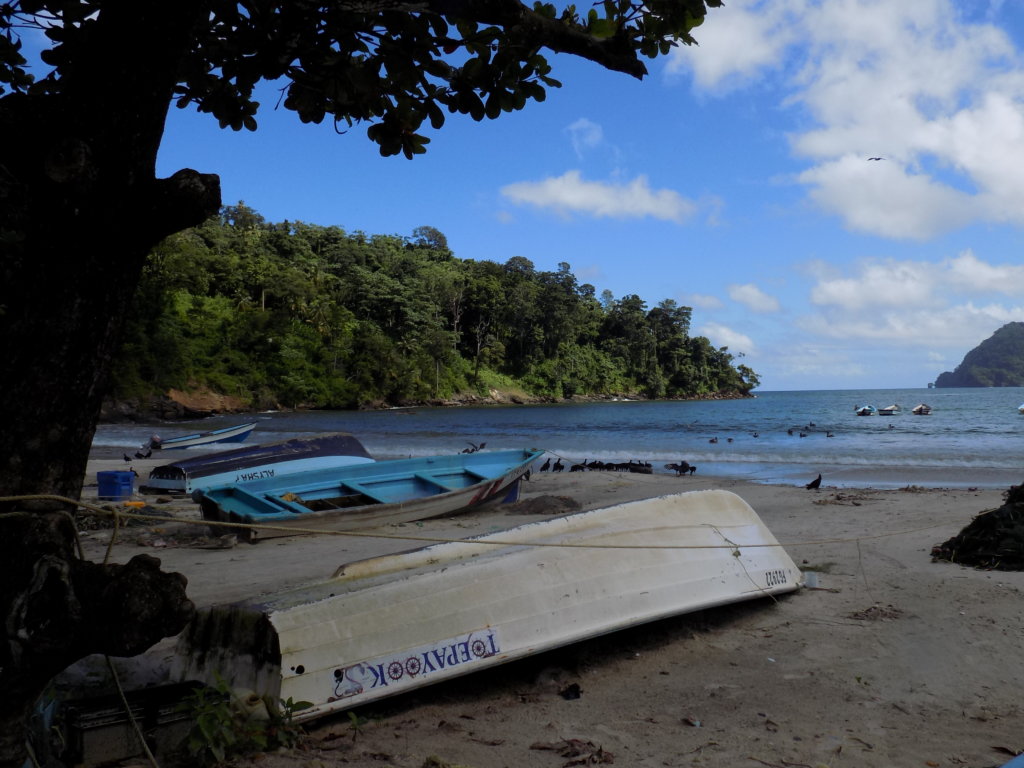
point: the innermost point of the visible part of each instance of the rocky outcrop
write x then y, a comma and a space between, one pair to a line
176, 404
996, 362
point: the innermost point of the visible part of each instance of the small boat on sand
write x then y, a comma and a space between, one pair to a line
235, 434
366, 495
257, 462
390, 624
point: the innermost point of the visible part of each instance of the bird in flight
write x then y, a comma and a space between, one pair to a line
876, 158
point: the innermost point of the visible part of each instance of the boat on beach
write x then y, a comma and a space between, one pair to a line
366, 495
235, 434
391, 624
257, 462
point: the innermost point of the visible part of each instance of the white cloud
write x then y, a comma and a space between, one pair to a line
933, 312
962, 326
585, 135
753, 298
882, 198
878, 284
569, 193
701, 301
735, 43
940, 96
723, 336
970, 274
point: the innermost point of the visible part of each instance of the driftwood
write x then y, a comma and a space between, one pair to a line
993, 540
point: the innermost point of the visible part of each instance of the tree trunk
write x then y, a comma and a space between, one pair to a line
80, 208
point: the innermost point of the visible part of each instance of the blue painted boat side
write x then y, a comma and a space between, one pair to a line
396, 482
257, 462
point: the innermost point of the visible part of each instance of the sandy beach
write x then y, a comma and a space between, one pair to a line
892, 660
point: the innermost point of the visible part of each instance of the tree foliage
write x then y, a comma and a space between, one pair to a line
393, 64
81, 209
350, 320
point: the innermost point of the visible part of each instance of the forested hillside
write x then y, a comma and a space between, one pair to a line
996, 362
312, 316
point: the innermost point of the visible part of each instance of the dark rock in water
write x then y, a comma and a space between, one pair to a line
993, 540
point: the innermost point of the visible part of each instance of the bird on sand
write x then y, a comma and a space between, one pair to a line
558, 467
546, 465
127, 458
814, 484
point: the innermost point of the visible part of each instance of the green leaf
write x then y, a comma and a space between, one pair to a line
603, 28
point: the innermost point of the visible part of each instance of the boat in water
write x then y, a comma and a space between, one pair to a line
390, 624
865, 410
889, 410
257, 462
235, 434
921, 410
366, 495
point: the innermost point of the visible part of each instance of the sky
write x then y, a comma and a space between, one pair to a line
735, 179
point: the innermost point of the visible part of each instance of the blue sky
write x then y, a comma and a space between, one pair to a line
734, 179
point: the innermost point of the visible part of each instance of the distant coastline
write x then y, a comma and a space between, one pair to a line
178, 405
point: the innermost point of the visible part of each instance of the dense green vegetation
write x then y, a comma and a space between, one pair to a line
303, 315
996, 362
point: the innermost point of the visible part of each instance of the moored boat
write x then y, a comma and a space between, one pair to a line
235, 434
258, 462
865, 410
921, 410
391, 624
889, 410
366, 495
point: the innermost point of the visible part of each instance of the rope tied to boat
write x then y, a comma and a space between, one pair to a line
121, 515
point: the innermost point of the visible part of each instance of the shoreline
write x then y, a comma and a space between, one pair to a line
892, 659
109, 458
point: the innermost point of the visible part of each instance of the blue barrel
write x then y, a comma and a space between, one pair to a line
114, 486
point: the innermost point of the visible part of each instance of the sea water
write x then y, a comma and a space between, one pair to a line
973, 437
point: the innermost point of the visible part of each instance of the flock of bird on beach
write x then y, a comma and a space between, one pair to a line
680, 467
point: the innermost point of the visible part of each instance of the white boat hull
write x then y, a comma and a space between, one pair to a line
391, 624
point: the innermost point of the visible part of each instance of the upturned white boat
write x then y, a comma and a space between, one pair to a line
390, 624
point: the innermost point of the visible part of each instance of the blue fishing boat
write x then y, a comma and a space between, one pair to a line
235, 434
366, 495
865, 410
257, 462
